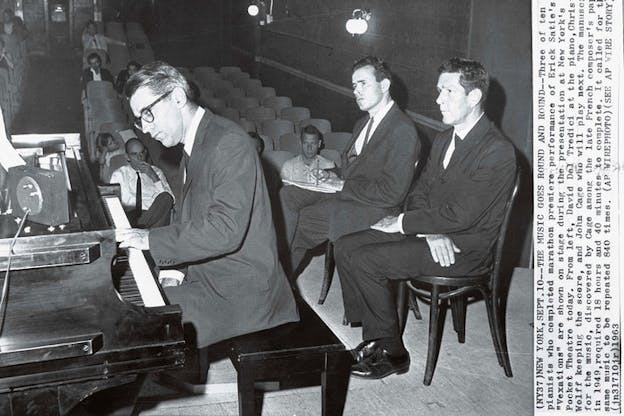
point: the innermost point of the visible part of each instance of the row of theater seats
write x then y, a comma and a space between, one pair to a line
12, 79
232, 93
105, 111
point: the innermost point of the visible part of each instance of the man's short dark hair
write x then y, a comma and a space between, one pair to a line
312, 130
380, 67
472, 74
159, 77
94, 55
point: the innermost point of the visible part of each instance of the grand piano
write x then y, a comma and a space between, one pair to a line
77, 318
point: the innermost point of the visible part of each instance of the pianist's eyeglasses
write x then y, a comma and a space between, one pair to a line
146, 113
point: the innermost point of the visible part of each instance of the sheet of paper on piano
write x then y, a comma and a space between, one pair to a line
9, 157
329, 186
140, 269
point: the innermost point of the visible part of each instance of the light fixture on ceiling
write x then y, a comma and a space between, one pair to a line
358, 24
259, 8
254, 8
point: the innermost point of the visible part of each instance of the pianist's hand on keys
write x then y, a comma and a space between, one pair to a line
132, 237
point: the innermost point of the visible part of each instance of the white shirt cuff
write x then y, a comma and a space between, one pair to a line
400, 220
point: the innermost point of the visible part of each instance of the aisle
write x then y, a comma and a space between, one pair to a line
51, 102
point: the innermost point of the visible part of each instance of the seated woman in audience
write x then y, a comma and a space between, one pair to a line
6, 61
124, 74
91, 39
307, 166
107, 147
145, 193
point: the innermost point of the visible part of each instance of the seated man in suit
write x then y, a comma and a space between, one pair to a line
95, 72
306, 166
377, 169
449, 225
144, 188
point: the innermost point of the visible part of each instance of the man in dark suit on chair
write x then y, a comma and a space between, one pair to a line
449, 225
222, 230
377, 169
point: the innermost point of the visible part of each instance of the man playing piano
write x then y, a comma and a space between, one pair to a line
222, 233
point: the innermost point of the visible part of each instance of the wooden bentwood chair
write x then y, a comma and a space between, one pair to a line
437, 290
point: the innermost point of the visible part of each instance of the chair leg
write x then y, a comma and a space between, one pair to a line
458, 310
498, 315
436, 322
502, 355
328, 274
413, 305
402, 295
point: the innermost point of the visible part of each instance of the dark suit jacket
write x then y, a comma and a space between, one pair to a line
223, 232
465, 200
87, 76
377, 181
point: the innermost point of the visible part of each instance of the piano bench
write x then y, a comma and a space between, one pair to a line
299, 352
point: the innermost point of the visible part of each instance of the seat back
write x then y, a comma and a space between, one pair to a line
290, 142
275, 128
277, 103
336, 140
230, 113
248, 126
497, 250
323, 125
333, 155
242, 104
259, 114
261, 92
295, 114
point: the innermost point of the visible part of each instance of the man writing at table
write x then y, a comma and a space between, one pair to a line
222, 231
450, 223
377, 169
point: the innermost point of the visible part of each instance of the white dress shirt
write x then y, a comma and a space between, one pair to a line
377, 117
126, 177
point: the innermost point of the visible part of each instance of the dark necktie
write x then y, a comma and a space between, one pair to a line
352, 152
139, 197
455, 142
367, 135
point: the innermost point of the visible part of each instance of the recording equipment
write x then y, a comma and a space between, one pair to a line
41, 191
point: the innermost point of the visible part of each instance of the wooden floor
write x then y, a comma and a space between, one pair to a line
468, 380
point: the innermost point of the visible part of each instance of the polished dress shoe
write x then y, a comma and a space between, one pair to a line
364, 350
381, 364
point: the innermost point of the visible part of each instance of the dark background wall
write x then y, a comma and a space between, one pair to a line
306, 53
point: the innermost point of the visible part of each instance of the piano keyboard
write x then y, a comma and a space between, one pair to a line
141, 273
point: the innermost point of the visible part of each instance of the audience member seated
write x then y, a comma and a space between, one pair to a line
309, 165
14, 25
145, 193
91, 39
449, 224
107, 147
257, 141
6, 61
124, 74
95, 72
